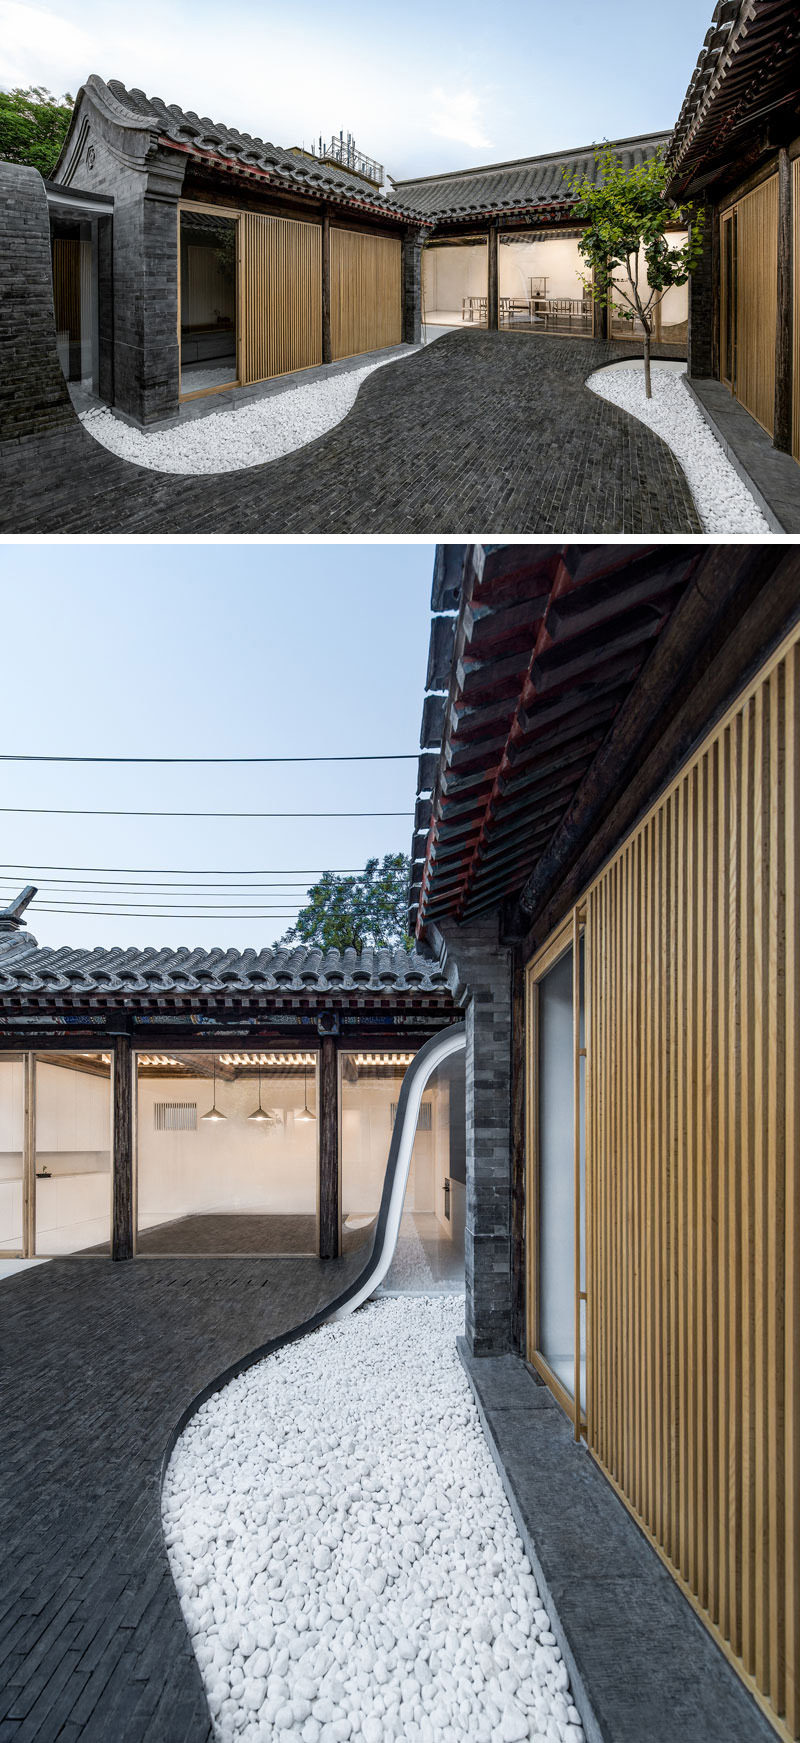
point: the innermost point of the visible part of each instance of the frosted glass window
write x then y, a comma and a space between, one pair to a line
73, 1153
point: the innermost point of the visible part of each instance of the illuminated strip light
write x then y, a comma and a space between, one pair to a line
384, 1058
304, 1059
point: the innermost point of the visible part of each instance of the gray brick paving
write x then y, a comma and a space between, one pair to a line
98, 1362
479, 433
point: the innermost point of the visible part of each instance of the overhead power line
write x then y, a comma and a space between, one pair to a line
95, 903
158, 871
136, 914
63, 886
257, 816
370, 757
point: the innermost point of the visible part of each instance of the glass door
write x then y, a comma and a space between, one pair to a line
12, 1151
557, 1162
209, 246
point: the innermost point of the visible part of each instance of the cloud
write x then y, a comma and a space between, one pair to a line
38, 46
457, 115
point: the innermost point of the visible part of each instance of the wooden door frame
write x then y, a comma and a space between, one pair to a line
215, 212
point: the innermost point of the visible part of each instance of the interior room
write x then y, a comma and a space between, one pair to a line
75, 298
69, 1210
431, 1243
455, 283
540, 284
208, 280
227, 1149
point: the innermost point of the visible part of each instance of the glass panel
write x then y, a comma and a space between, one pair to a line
208, 301
540, 285
235, 1183
673, 315
556, 1227
455, 284
430, 1249
75, 301
73, 1153
11, 1151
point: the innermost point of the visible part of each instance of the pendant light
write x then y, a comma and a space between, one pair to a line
213, 1112
305, 1112
260, 1113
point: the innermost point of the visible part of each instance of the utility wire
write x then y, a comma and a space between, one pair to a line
372, 757
289, 816
64, 886
172, 907
137, 914
189, 871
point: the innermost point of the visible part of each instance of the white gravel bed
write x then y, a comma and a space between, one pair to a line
723, 501
248, 435
346, 1558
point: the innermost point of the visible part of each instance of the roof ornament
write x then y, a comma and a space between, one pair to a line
11, 917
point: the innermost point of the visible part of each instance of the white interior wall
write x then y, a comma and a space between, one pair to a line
448, 274
239, 1165
73, 1143
556, 258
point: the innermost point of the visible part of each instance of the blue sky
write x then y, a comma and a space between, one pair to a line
206, 650
422, 88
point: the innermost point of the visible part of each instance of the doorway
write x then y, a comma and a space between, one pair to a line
208, 300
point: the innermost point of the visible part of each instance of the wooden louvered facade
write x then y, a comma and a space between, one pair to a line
690, 1117
285, 278
281, 296
366, 292
749, 299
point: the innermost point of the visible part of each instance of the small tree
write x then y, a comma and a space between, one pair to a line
370, 908
33, 126
626, 212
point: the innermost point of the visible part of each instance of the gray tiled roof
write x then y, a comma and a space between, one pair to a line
529, 181
28, 969
193, 132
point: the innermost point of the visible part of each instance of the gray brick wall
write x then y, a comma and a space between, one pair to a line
479, 971
701, 307
412, 288
33, 392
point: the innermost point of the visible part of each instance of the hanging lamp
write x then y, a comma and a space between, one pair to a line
260, 1113
305, 1112
213, 1112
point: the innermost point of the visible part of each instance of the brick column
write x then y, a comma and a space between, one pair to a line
412, 286
478, 967
122, 1150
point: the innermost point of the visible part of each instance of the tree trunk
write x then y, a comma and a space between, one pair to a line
648, 393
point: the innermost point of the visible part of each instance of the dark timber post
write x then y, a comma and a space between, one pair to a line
328, 1150
122, 1150
782, 437
493, 306
327, 354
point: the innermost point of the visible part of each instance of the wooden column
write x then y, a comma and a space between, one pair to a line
493, 310
122, 1150
327, 354
328, 1114
782, 437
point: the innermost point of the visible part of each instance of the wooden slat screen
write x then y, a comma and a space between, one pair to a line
757, 300
693, 1180
796, 309
281, 296
67, 285
366, 292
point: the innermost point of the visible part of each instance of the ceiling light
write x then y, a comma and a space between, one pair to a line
260, 1113
213, 1112
305, 1113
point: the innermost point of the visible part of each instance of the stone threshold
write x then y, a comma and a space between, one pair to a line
771, 476
236, 398
642, 1665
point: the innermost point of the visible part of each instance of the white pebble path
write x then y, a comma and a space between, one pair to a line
252, 433
345, 1556
723, 500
